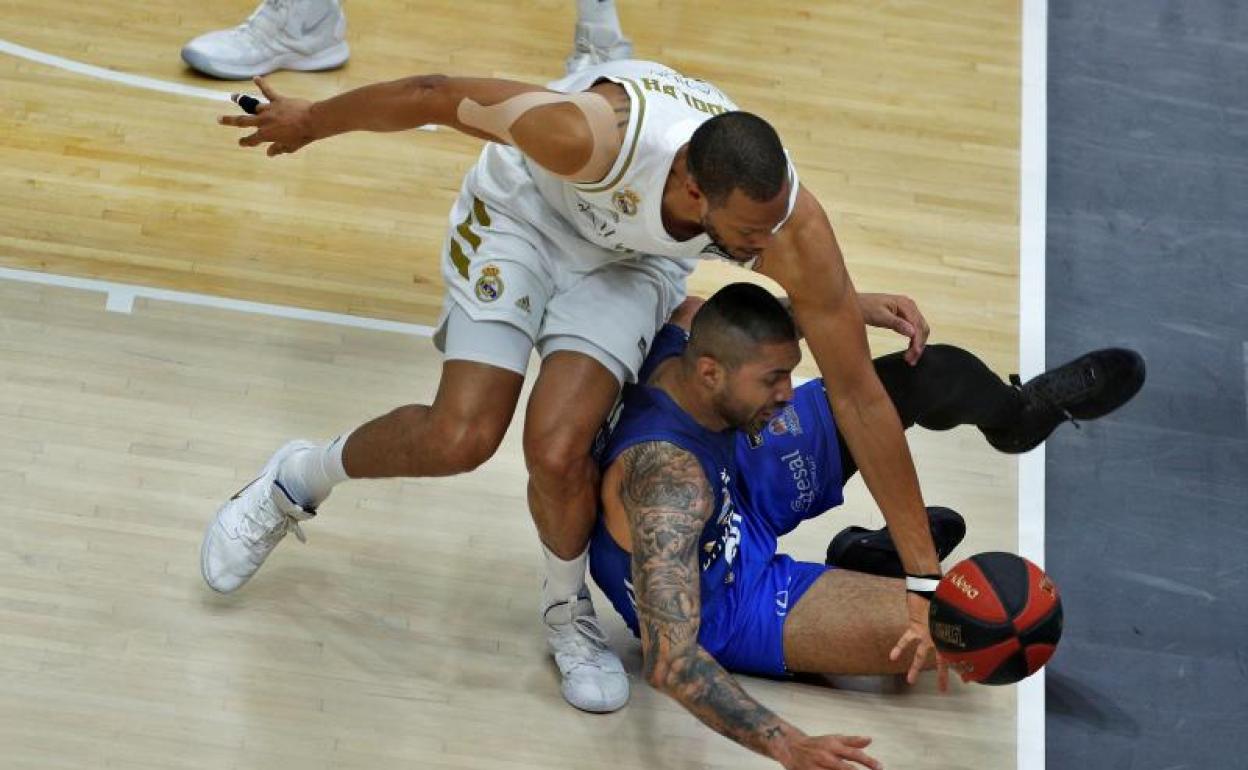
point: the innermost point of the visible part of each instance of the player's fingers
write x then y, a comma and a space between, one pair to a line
857, 741
238, 121
903, 327
905, 641
922, 651
916, 665
829, 758
914, 353
862, 758
277, 149
910, 310
942, 674
265, 89
251, 140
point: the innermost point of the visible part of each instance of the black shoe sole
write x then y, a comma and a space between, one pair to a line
872, 550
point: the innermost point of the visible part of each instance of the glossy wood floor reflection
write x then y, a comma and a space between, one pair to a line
405, 633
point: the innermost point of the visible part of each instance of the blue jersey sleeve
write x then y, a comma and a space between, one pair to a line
670, 341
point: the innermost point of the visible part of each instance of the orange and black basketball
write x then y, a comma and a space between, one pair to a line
996, 618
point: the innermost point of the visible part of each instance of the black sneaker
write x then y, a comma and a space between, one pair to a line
872, 550
1091, 386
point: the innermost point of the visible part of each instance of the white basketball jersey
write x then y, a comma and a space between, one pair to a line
623, 211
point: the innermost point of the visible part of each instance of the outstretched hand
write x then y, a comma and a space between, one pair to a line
283, 123
829, 752
918, 635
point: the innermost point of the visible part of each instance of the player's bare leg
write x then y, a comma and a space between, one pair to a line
847, 623
570, 401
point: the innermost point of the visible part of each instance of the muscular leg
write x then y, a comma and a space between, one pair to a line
570, 401
458, 432
948, 387
847, 623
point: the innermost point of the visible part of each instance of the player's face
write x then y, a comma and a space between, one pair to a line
758, 389
743, 227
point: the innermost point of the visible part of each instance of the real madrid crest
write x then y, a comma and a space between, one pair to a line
626, 202
490, 285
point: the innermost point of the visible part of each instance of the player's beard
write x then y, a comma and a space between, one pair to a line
745, 416
734, 254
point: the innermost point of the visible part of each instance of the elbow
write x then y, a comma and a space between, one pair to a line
658, 672
430, 92
425, 84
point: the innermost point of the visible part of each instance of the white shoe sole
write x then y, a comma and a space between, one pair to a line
331, 58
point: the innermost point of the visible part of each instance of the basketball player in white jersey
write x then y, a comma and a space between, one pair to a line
312, 35
573, 235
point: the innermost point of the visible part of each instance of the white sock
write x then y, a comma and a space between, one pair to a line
564, 579
309, 475
597, 12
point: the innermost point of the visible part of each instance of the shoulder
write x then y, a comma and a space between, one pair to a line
662, 474
804, 253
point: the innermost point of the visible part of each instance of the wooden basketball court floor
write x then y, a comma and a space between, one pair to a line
405, 632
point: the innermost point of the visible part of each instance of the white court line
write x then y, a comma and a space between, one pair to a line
1033, 193
124, 78
121, 296
90, 70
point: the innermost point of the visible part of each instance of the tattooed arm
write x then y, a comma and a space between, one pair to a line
668, 500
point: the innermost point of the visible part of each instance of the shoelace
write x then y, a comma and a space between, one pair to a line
270, 527
1049, 397
589, 638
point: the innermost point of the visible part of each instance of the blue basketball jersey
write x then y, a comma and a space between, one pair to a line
790, 470
648, 414
764, 486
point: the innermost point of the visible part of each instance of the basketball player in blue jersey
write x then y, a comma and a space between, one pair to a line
573, 235
715, 455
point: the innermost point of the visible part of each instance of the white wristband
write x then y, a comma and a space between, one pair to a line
921, 585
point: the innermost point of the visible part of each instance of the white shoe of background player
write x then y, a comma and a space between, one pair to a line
279, 34
595, 43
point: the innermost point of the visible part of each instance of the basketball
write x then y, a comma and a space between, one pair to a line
996, 618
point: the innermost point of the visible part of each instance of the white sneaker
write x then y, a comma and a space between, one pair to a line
593, 677
250, 525
279, 34
595, 43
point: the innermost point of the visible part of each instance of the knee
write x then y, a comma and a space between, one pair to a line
559, 456
946, 358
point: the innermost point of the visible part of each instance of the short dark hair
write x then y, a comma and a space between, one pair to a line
735, 319
737, 151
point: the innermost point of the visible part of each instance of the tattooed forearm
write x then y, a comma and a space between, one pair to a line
714, 696
668, 499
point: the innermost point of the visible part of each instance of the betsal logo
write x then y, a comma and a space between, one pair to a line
963, 585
